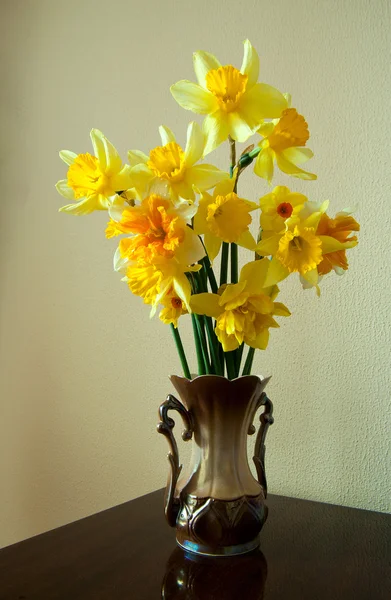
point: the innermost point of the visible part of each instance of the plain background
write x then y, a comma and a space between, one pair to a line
82, 368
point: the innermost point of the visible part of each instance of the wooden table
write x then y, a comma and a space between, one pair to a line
308, 551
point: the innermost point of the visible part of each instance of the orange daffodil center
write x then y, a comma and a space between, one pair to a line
168, 162
86, 178
228, 85
300, 250
291, 130
285, 210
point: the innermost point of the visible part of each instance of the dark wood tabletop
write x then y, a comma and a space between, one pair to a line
309, 550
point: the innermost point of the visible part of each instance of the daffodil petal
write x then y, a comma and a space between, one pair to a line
250, 64
264, 164
246, 240
113, 159
261, 102
63, 189
141, 178
206, 304
261, 341
136, 157
216, 130
231, 292
194, 144
268, 245
122, 181
212, 245
116, 207
255, 273
330, 244
186, 210
183, 289
311, 276
298, 156
224, 188
166, 135
99, 147
181, 189
84, 207
288, 167
266, 129
200, 222
120, 263
203, 63
191, 249
239, 128
281, 310
68, 157
206, 176
276, 273
194, 97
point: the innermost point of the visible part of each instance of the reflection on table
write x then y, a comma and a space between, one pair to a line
192, 577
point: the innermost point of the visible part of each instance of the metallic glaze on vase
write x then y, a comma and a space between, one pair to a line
216, 505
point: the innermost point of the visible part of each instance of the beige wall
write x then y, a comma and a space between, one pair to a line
82, 368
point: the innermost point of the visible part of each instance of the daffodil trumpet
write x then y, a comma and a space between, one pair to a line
174, 213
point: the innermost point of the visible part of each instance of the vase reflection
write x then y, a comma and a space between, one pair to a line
192, 577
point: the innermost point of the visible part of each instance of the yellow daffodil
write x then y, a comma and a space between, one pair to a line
244, 311
169, 170
224, 217
93, 181
154, 281
173, 308
340, 229
283, 143
233, 101
278, 206
305, 244
296, 248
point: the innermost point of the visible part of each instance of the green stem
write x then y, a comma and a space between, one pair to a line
232, 147
224, 263
249, 362
230, 362
213, 346
204, 344
210, 274
200, 359
221, 358
239, 354
181, 351
234, 263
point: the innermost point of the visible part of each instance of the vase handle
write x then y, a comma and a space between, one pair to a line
266, 419
165, 426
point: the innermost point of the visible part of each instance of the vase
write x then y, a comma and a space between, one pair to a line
216, 504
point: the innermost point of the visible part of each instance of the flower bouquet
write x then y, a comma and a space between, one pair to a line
180, 219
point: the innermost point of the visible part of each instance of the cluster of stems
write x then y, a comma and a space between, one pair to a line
211, 358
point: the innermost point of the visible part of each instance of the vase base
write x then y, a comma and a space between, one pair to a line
219, 551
